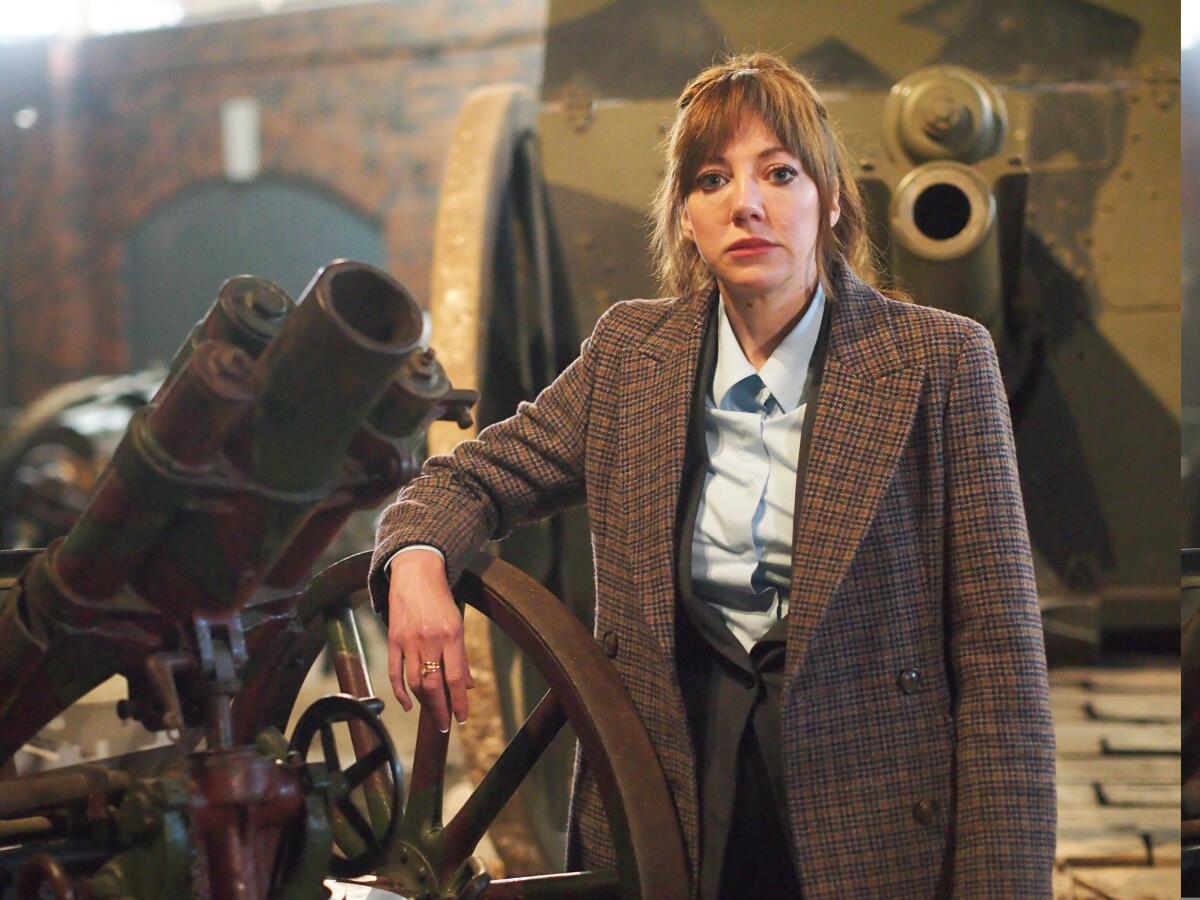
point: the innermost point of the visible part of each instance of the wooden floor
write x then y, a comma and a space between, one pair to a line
1118, 733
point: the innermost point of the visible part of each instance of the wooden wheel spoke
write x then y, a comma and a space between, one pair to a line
362, 770
358, 822
463, 832
601, 884
424, 808
329, 746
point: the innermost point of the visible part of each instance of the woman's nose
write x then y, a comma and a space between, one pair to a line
747, 200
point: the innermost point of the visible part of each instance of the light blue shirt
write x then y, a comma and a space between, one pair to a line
742, 543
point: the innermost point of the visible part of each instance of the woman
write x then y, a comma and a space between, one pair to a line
809, 540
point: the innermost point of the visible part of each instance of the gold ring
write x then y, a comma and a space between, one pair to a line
430, 666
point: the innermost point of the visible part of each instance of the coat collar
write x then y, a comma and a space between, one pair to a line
865, 410
862, 339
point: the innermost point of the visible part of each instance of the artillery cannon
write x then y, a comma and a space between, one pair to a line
189, 574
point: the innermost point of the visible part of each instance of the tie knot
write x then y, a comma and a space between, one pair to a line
755, 396
765, 399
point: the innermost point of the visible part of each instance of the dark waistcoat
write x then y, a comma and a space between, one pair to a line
731, 696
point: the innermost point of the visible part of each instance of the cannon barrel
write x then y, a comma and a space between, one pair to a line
247, 313
952, 201
276, 422
946, 246
325, 371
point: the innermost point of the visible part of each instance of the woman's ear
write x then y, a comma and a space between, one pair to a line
685, 224
835, 208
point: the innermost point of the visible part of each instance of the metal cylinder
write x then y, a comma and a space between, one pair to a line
411, 396
247, 313
945, 245
182, 429
326, 370
55, 790
944, 112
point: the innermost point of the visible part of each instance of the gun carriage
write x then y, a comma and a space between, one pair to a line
189, 574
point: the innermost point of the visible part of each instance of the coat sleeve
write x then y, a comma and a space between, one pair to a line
518, 470
1005, 798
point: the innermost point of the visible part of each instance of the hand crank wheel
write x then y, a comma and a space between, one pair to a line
369, 844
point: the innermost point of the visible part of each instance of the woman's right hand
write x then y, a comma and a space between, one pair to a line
425, 627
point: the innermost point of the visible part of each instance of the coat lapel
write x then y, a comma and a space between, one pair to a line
656, 400
863, 417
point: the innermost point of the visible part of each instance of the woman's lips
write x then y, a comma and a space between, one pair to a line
749, 247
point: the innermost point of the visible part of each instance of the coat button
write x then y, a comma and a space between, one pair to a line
925, 811
609, 643
909, 680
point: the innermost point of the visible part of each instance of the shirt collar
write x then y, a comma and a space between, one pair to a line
785, 373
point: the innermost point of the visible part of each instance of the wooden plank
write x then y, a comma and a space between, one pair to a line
1127, 883
1164, 851
1064, 884
1078, 796
1143, 741
1162, 819
1147, 708
1086, 736
1141, 795
1070, 703
1157, 679
1103, 850
1118, 769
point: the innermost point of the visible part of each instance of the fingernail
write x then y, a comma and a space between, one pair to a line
445, 730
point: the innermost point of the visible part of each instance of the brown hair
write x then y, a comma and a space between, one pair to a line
710, 110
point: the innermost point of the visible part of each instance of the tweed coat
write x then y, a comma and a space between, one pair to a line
918, 751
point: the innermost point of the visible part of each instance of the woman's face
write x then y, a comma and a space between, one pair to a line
753, 213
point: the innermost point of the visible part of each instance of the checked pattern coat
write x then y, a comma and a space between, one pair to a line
918, 751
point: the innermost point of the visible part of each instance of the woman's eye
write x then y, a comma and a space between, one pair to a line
782, 174
710, 181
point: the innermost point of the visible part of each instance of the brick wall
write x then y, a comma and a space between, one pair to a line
358, 100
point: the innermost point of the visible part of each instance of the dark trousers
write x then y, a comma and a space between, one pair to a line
758, 858
733, 716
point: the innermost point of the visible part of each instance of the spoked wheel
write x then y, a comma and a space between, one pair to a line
363, 830
429, 858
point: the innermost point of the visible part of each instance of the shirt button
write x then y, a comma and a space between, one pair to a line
925, 812
610, 644
909, 680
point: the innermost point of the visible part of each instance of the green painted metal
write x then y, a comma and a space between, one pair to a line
305, 880
1079, 283
350, 665
153, 820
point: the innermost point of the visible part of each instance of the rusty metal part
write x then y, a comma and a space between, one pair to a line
232, 480
586, 692
85, 787
44, 878
247, 313
412, 396
136, 498
31, 828
602, 885
350, 666
353, 327
245, 801
222, 476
